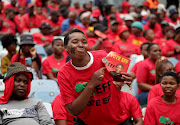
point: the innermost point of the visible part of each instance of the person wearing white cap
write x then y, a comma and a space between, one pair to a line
128, 19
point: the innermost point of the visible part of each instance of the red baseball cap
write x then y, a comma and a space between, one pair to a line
96, 13
122, 29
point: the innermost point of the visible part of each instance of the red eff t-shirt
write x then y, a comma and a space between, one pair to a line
157, 91
160, 113
41, 39
124, 48
114, 36
103, 107
135, 67
106, 45
60, 112
156, 28
50, 62
130, 105
146, 73
170, 46
136, 41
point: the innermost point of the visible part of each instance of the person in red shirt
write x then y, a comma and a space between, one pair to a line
44, 37
174, 22
172, 47
12, 5
128, 19
161, 34
149, 35
30, 20
99, 43
123, 46
28, 50
53, 5
76, 8
163, 110
146, 73
61, 115
125, 4
162, 66
9, 25
86, 87
52, 64
2, 14
19, 16
152, 24
41, 13
136, 38
177, 68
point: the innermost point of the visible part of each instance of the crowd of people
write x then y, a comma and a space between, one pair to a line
148, 33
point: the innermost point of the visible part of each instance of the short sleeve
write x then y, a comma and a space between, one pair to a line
167, 48
59, 109
135, 108
150, 118
116, 48
91, 42
46, 67
14, 58
142, 73
67, 92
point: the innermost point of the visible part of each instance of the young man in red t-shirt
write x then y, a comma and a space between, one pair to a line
164, 110
12, 5
86, 86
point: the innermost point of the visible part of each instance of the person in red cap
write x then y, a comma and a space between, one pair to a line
125, 4
30, 20
15, 106
96, 13
44, 37
12, 5
123, 46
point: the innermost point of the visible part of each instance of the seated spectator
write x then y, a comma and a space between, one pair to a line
85, 19
8, 25
61, 115
128, 19
149, 35
177, 68
146, 73
44, 37
9, 42
173, 15
152, 24
144, 55
136, 38
123, 46
130, 106
69, 23
54, 62
161, 34
41, 13
164, 109
113, 32
55, 23
15, 106
76, 8
30, 20
19, 16
125, 4
99, 43
162, 66
12, 5
53, 5
172, 47
28, 50
95, 14
88, 6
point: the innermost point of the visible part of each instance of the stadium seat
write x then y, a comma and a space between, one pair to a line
34, 30
41, 51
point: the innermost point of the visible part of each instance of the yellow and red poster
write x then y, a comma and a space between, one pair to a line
116, 63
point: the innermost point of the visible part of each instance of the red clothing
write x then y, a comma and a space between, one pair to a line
161, 113
60, 112
130, 105
177, 67
118, 19
21, 60
22, 3
10, 6
9, 86
106, 45
146, 74
135, 67
30, 22
156, 28
41, 39
114, 36
103, 107
10, 26
55, 25
159, 35
81, 27
170, 46
53, 7
161, 42
136, 41
51, 63
124, 48
76, 10
157, 91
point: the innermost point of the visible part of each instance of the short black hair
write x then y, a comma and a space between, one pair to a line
150, 45
143, 45
8, 40
145, 32
54, 13
66, 39
173, 74
177, 30
56, 40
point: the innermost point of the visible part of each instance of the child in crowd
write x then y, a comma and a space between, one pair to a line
164, 109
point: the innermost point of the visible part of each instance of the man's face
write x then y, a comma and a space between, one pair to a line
153, 19
13, 2
20, 86
114, 27
11, 15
